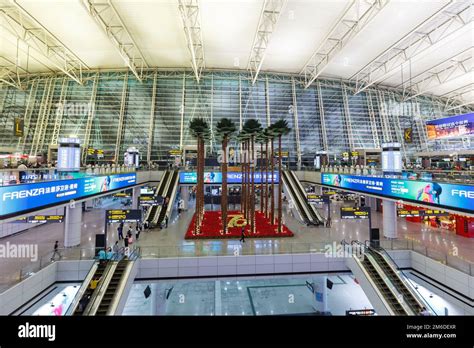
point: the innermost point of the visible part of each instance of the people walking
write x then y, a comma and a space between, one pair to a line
120, 232
56, 252
242, 235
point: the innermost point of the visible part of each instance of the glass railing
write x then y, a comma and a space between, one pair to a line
235, 248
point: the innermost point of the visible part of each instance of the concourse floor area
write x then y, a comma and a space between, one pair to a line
170, 241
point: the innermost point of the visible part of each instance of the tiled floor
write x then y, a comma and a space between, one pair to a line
170, 241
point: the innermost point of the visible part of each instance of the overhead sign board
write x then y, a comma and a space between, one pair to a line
314, 198
355, 213
120, 215
149, 200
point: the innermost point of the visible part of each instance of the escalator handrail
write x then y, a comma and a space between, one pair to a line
157, 193
391, 287
406, 280
82, 290
99, 292
171, 193
294, 196
120, 288
159, 208
299, 195
302, 192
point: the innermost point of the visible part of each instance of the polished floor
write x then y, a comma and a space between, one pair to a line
170, 241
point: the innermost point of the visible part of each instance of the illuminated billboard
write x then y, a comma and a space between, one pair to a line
459, 197
451, 127
26, 197
216, 177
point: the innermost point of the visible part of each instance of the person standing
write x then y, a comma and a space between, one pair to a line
166, 221
242, 235
120, 231
56, 251
138, 229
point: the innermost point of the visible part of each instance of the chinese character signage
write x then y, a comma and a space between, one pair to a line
451, 127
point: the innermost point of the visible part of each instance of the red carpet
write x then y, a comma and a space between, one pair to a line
212, 226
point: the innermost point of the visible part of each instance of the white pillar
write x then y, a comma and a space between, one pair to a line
389, 219
185, 196
320, 293
73, 226
135, 197
90, 204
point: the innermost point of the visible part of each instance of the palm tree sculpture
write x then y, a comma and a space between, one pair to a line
268, 135
243, 139
200, 130
262, 140
252, 127
224, 130
280, 128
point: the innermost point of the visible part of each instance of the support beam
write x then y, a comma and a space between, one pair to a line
151, 127
347, 117
354, 18
15, 20
373, 123
59, 112
295, 120
460, 97
267, 23
457, 66
322, 117
108, 19
190, 15
90, 117
439, 26
121, 120
181, 111
10, 73
30, 106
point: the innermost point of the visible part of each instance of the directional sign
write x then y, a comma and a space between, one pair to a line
408, 213
45, 218
434, 213
126, 215
355, 212
147, 200
314, 198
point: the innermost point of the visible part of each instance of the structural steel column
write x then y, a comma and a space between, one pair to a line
373, 123
181, 110
347, 117
321, 114
152, 119
27, 116
297, 128
90, 116
59, 112
267, 101
120, 130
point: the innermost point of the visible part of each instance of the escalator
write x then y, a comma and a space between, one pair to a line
112, 288
295, 198
314, 215
85, 293
383, 288
402, 287
170, 192
151, 214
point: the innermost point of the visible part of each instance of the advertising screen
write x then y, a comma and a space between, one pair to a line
216, 177
18, 198
460, 197
450, 127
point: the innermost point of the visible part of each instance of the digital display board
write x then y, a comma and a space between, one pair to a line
120, 215
450, 127
314, 198
216, 177
24, 197
408, 213
460, 197
355, 213
45, 218
150, 200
